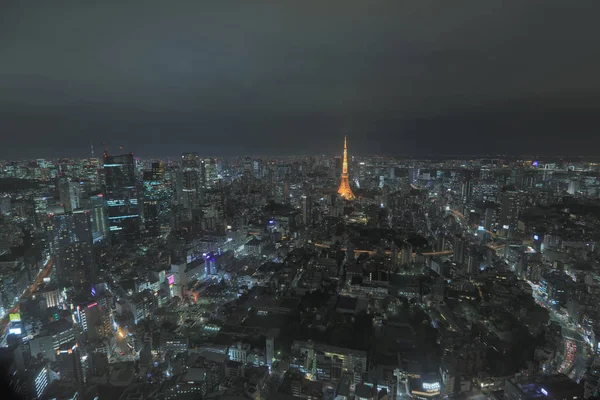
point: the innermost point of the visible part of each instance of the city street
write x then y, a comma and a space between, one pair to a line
44, 273
576, 350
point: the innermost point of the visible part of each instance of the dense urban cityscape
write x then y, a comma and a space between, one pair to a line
316, 277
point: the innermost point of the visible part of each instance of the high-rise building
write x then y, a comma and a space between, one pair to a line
213, 212
72, 249
72, 363
248, 165
270, 349
70, 194
509, 209
37, 381
191, 181
345, 191
305, 211
258, 168
488, 219
156, 198
98, 217
121, 195
459, 249
210, 168
466, 190
573, 187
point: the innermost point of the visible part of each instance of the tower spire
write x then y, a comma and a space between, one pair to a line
345, 191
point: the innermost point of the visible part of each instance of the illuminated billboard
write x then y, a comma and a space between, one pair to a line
15, 331
431, 386
15, 317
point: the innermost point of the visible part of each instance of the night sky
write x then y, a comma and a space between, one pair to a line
400, 77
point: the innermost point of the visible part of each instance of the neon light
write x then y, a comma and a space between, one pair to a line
125, 216
544, 392
92, 305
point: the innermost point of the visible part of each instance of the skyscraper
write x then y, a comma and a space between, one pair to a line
121, 195
191, 180
98, 217
72, 249
509, 209
70, 194
210, 173
156, 198
345, 191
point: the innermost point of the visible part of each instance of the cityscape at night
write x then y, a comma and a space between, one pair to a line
336, 200
319, 277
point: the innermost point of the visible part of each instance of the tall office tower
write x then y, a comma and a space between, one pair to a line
466, 190
75, 194
248, 166
37, 382
573, 187
345, 191
70, 194
473, 260
72, 363
72, 249
257, 167
121, 196
459, 249
509, 209
517, 177
413, 174
62, 186
270, 349
191, 180
489, 218
213, 211
98, 217
210, 173
157, 198
305, 212
337, 164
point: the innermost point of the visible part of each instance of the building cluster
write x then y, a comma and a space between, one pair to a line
310, 277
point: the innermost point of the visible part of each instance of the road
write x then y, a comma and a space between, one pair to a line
44, 273
577, 350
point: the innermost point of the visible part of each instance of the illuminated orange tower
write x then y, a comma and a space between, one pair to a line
344, 189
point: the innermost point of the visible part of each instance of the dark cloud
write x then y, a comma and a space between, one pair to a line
413, 76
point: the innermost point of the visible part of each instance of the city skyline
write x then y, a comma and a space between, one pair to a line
333, 200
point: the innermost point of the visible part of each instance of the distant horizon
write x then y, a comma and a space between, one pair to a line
515, 157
